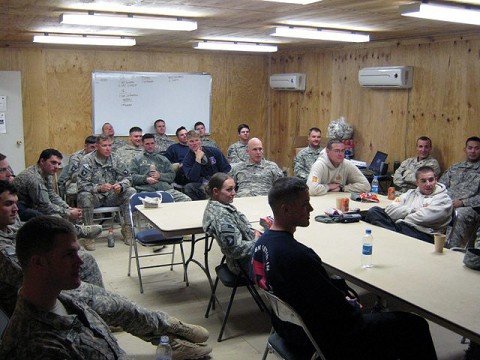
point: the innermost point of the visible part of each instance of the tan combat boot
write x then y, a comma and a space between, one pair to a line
183, 350
89, 244
127, 234
190, 332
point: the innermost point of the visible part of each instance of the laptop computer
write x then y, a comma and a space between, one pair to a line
375, 167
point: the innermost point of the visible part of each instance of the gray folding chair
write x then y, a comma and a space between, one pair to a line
277, 345
151, 237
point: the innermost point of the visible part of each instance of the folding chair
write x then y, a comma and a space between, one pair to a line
276, 344
233, 281
106, 213
151, 237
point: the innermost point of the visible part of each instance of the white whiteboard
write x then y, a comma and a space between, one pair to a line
127, 99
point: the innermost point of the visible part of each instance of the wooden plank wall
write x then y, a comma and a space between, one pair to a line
56, 86
443, 103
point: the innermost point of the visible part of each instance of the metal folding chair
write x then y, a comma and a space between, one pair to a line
151, 237
233, 281
276, 344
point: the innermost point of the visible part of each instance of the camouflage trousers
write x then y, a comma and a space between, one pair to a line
117, 310
88, 201
178, 196
467, 225
90, 272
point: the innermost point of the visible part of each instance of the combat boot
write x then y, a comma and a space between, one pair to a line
127, 234
183, 350
190, 332
89, 244
88, 231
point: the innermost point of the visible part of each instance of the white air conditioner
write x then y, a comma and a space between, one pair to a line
397, 77
293, 81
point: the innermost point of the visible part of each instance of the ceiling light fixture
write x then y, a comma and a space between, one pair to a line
129, 21
300, 2
449, 13
319, 34
83, 40
234, 46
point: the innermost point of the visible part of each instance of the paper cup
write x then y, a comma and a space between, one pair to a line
342, 204
439, 241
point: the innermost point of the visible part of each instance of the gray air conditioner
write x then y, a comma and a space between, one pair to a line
292, 82
396, 77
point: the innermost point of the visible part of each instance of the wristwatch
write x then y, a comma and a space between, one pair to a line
341, 188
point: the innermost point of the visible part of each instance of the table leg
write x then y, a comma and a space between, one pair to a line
205, 268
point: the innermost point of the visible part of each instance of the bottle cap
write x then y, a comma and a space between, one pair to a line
368, 231
164, 339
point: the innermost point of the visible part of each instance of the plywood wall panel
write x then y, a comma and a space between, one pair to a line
56, 85
443, 103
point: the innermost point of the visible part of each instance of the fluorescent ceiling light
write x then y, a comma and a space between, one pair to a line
234, 46
83, 40
300, 2
319, 34
442, 12
128, 21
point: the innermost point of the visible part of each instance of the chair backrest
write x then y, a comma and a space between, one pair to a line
286, 313
135, 200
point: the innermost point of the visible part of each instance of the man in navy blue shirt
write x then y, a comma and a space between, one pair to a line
176, 153
295, 274
200, 164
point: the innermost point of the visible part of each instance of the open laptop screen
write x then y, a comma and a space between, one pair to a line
376, 164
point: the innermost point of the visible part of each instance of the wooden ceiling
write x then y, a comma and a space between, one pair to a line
240, 20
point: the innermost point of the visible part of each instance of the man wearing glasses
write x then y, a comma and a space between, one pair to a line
331, 172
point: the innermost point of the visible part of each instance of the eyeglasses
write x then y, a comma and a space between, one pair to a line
338, 151
5, 169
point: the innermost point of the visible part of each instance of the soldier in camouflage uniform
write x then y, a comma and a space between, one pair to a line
104, 180
162, 141
10, 271
237, 152
128, 152
256, 176
206, 141
107, 129
35, 191
463, 185
404, 177
67, 182
72, 323
153, 172
302, 163
231, 228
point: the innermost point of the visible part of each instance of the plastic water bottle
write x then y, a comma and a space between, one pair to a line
164, 350
367, 249
110, 238
375, 185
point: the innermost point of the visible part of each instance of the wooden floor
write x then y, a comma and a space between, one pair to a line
247, 328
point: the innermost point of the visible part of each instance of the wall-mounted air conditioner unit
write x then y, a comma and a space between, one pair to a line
396, 77
292, 82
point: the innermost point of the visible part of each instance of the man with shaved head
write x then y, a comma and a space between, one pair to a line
255, 176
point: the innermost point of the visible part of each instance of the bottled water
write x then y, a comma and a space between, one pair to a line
367, 249
375, 185
164, 350
110, 238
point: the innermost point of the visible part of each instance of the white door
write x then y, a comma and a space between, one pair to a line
11, 119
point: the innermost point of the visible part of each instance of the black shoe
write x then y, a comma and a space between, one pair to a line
473, 351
